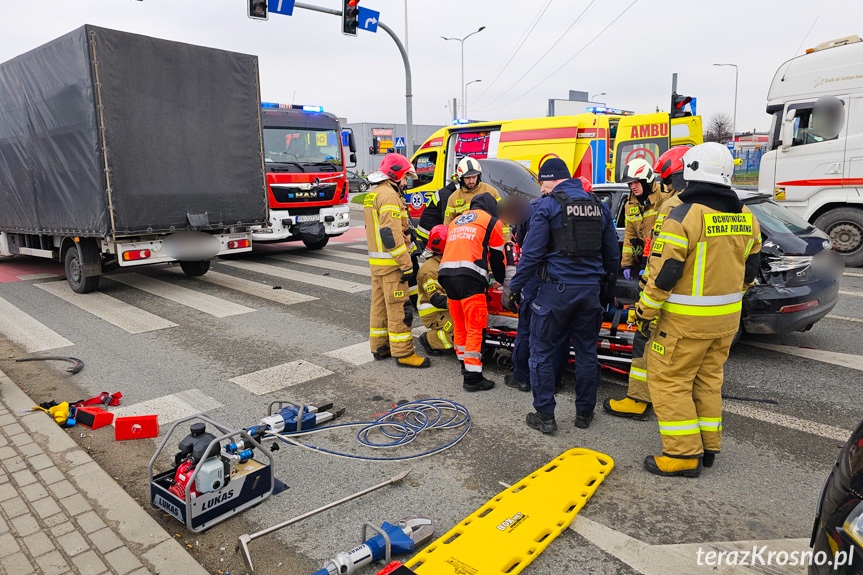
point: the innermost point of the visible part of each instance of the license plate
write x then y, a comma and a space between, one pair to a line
307, 218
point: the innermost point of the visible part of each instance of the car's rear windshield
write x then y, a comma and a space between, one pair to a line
777, 219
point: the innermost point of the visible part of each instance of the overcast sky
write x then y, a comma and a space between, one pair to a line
306, 59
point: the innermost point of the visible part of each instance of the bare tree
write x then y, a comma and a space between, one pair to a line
718, 128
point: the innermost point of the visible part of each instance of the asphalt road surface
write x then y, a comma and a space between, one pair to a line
286, 322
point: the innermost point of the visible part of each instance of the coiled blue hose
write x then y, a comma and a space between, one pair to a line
400, 426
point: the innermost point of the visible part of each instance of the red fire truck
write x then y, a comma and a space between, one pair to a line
305, 163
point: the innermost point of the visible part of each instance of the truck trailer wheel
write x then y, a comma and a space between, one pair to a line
74, 264
845, 228
195, 269
316, 245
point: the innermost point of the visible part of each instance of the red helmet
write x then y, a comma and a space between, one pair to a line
585, 183
670, 162
394, 166
437, 239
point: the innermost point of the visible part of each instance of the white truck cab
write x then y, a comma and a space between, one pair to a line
816, 173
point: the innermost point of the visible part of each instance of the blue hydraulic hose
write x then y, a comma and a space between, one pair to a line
418, 416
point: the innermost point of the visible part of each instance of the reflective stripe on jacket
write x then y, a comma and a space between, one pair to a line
464, 245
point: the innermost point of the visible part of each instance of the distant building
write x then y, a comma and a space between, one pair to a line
577, 103
750, 141
366, 132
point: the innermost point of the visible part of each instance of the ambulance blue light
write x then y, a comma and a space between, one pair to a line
612, 111
461, 121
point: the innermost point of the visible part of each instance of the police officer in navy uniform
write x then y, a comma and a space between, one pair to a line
572, 245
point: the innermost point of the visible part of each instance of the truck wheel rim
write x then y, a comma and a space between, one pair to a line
846, 237
75, 269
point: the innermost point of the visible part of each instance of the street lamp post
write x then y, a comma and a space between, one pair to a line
461, 41
734, 121
465, 96
595, 95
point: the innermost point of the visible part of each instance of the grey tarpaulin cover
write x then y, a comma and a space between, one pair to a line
181, 129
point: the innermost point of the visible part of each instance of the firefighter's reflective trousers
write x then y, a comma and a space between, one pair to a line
390, 321
638, 389
685, 380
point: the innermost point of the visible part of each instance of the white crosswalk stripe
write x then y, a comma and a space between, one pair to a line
357, 354
28, 332
322, 255
202, 302
30, 277
257, 289
851, 293
298, 276
363, 247
325, 264
172, 407
127, 317
280, 377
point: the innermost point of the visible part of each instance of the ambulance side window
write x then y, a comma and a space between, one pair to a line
425, 165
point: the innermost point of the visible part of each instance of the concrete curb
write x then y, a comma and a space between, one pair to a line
151, 542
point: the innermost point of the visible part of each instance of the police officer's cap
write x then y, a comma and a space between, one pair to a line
553, 169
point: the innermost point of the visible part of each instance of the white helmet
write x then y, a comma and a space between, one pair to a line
711, 163
638, 169
468, 167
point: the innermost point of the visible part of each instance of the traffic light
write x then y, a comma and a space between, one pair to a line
258, 10
375, 149
350, 17
678, 103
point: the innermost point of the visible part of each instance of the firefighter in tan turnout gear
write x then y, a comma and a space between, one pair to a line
433, 307
636, 404
388, 237
469, 174
645, 193
705, 257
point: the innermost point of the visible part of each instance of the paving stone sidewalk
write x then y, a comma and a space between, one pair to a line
61, 513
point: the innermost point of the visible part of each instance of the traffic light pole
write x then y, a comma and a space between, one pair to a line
409, 108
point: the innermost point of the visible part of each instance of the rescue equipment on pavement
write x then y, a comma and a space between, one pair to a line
506, 534
244, 540
77, 364
392, 539
63, 413
209, 481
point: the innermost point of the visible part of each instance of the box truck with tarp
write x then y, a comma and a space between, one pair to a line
122, 150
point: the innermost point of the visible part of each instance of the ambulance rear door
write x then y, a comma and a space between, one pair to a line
642, 136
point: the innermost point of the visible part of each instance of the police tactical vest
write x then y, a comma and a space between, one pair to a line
580, 234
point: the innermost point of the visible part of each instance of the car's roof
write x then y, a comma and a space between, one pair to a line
744, 195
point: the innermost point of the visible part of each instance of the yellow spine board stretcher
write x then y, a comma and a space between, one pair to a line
508, 532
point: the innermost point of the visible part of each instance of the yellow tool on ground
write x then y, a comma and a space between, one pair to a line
508, 532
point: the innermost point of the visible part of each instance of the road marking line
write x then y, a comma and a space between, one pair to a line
788, 421
184, 296
172, 407
29, 277
321, 255
852, 274
841, 359
357, 354
831, 316
325, 264
851, 293
298, 276
257, 289
123, 315
359, 247
280, 377
27, 331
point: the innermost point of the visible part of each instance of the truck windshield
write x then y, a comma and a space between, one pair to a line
294, 146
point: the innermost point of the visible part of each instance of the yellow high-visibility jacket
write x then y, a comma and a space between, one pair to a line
387, 229
639, 221
702, 262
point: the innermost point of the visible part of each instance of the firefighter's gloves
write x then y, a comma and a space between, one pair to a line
406, 275
642, 324
513, 302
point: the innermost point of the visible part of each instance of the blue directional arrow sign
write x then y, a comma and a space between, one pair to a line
400, 143
285, 7
367, 19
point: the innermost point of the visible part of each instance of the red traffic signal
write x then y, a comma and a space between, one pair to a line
678, 103
350, 17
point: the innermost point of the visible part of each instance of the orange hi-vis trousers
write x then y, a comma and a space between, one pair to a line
469, 319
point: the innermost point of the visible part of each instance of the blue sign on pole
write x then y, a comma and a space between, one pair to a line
285, 7
692, 105
367, 19
400, 143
